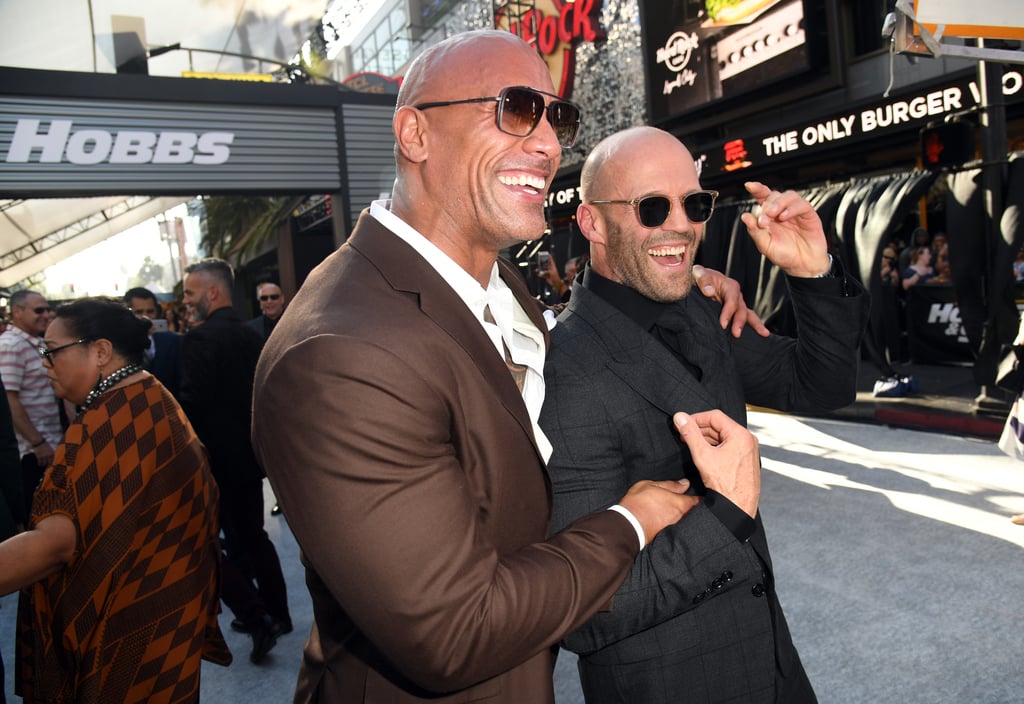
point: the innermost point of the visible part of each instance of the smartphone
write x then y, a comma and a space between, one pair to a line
543, 260
160, 325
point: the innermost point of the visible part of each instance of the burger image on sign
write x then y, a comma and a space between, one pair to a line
725, 12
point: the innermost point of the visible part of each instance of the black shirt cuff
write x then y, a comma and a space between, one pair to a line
833, 284
732, 516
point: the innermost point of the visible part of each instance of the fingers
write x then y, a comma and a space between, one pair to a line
757, 189
760, 235
775, 205
680, 486
728, 293
691, 431
657, 504
733, 306
709, 281
755, 323
712, 427
726, 454
699, 274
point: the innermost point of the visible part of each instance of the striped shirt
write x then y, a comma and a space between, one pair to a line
22, 370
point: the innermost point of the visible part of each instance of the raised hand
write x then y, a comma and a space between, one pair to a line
787, 230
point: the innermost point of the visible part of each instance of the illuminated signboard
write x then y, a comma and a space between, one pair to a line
701, 51
556, 27
369, 82
914, 110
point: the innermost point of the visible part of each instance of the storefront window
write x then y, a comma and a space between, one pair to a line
386, 49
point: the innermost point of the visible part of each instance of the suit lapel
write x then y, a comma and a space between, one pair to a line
405, 270
637, 358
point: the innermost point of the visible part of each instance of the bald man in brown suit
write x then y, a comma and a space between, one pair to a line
411, 468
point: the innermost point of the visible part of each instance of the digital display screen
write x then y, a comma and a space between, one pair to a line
701, 51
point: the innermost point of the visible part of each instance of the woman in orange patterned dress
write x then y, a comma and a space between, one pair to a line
120, 566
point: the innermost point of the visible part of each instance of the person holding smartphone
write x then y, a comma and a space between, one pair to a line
555, 289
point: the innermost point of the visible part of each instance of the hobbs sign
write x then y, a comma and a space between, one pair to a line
58, 147
59, 141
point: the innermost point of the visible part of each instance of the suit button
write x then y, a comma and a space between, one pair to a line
699, 598
757, 590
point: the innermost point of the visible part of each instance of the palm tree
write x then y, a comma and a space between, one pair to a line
236, 228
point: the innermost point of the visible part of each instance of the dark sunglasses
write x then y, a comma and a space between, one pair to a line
47, 353
653, 211
270, 297
39, 310
520, 109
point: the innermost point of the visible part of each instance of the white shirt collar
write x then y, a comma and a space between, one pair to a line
468, 288
512, 327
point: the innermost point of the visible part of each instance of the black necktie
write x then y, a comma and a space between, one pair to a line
673, 329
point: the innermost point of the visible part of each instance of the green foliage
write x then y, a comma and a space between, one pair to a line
236, 228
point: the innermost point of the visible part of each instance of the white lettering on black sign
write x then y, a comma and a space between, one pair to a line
676, 55
94, 146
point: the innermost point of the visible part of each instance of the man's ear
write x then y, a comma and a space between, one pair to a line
410, 133
591, 223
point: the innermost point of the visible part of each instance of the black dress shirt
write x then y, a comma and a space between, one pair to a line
654, 317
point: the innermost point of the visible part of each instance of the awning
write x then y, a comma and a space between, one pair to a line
38, 233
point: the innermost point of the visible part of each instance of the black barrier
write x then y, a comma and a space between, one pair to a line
935, 332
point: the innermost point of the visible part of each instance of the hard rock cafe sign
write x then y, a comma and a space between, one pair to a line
555, 27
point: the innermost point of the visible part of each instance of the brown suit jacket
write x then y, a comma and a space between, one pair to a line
402, 454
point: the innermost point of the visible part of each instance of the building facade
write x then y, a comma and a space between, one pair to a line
801, 94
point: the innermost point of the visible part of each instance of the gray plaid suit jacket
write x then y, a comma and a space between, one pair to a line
697, 619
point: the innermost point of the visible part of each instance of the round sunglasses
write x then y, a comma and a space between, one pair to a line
653, 211
520, 109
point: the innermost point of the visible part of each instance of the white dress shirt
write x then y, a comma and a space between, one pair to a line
512, 327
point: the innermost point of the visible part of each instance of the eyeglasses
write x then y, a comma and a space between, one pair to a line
520, 109
48, 352
270, 297
653, 211
39, 310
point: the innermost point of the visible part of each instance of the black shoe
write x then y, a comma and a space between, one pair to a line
280, 627
276, 511
264, 638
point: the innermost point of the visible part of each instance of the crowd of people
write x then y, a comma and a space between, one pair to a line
472, 481
924, 261
130, 500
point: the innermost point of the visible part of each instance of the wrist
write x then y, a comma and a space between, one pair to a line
42, 441
827, 273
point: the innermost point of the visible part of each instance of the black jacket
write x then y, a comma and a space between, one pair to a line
218, 362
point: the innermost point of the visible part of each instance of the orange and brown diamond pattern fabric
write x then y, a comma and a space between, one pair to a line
134, 612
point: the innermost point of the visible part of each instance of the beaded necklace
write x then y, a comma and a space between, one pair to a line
105, 384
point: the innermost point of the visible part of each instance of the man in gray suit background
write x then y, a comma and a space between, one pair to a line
697, 618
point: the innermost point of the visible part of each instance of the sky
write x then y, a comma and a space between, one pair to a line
108, 268
370, 8
76, 35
